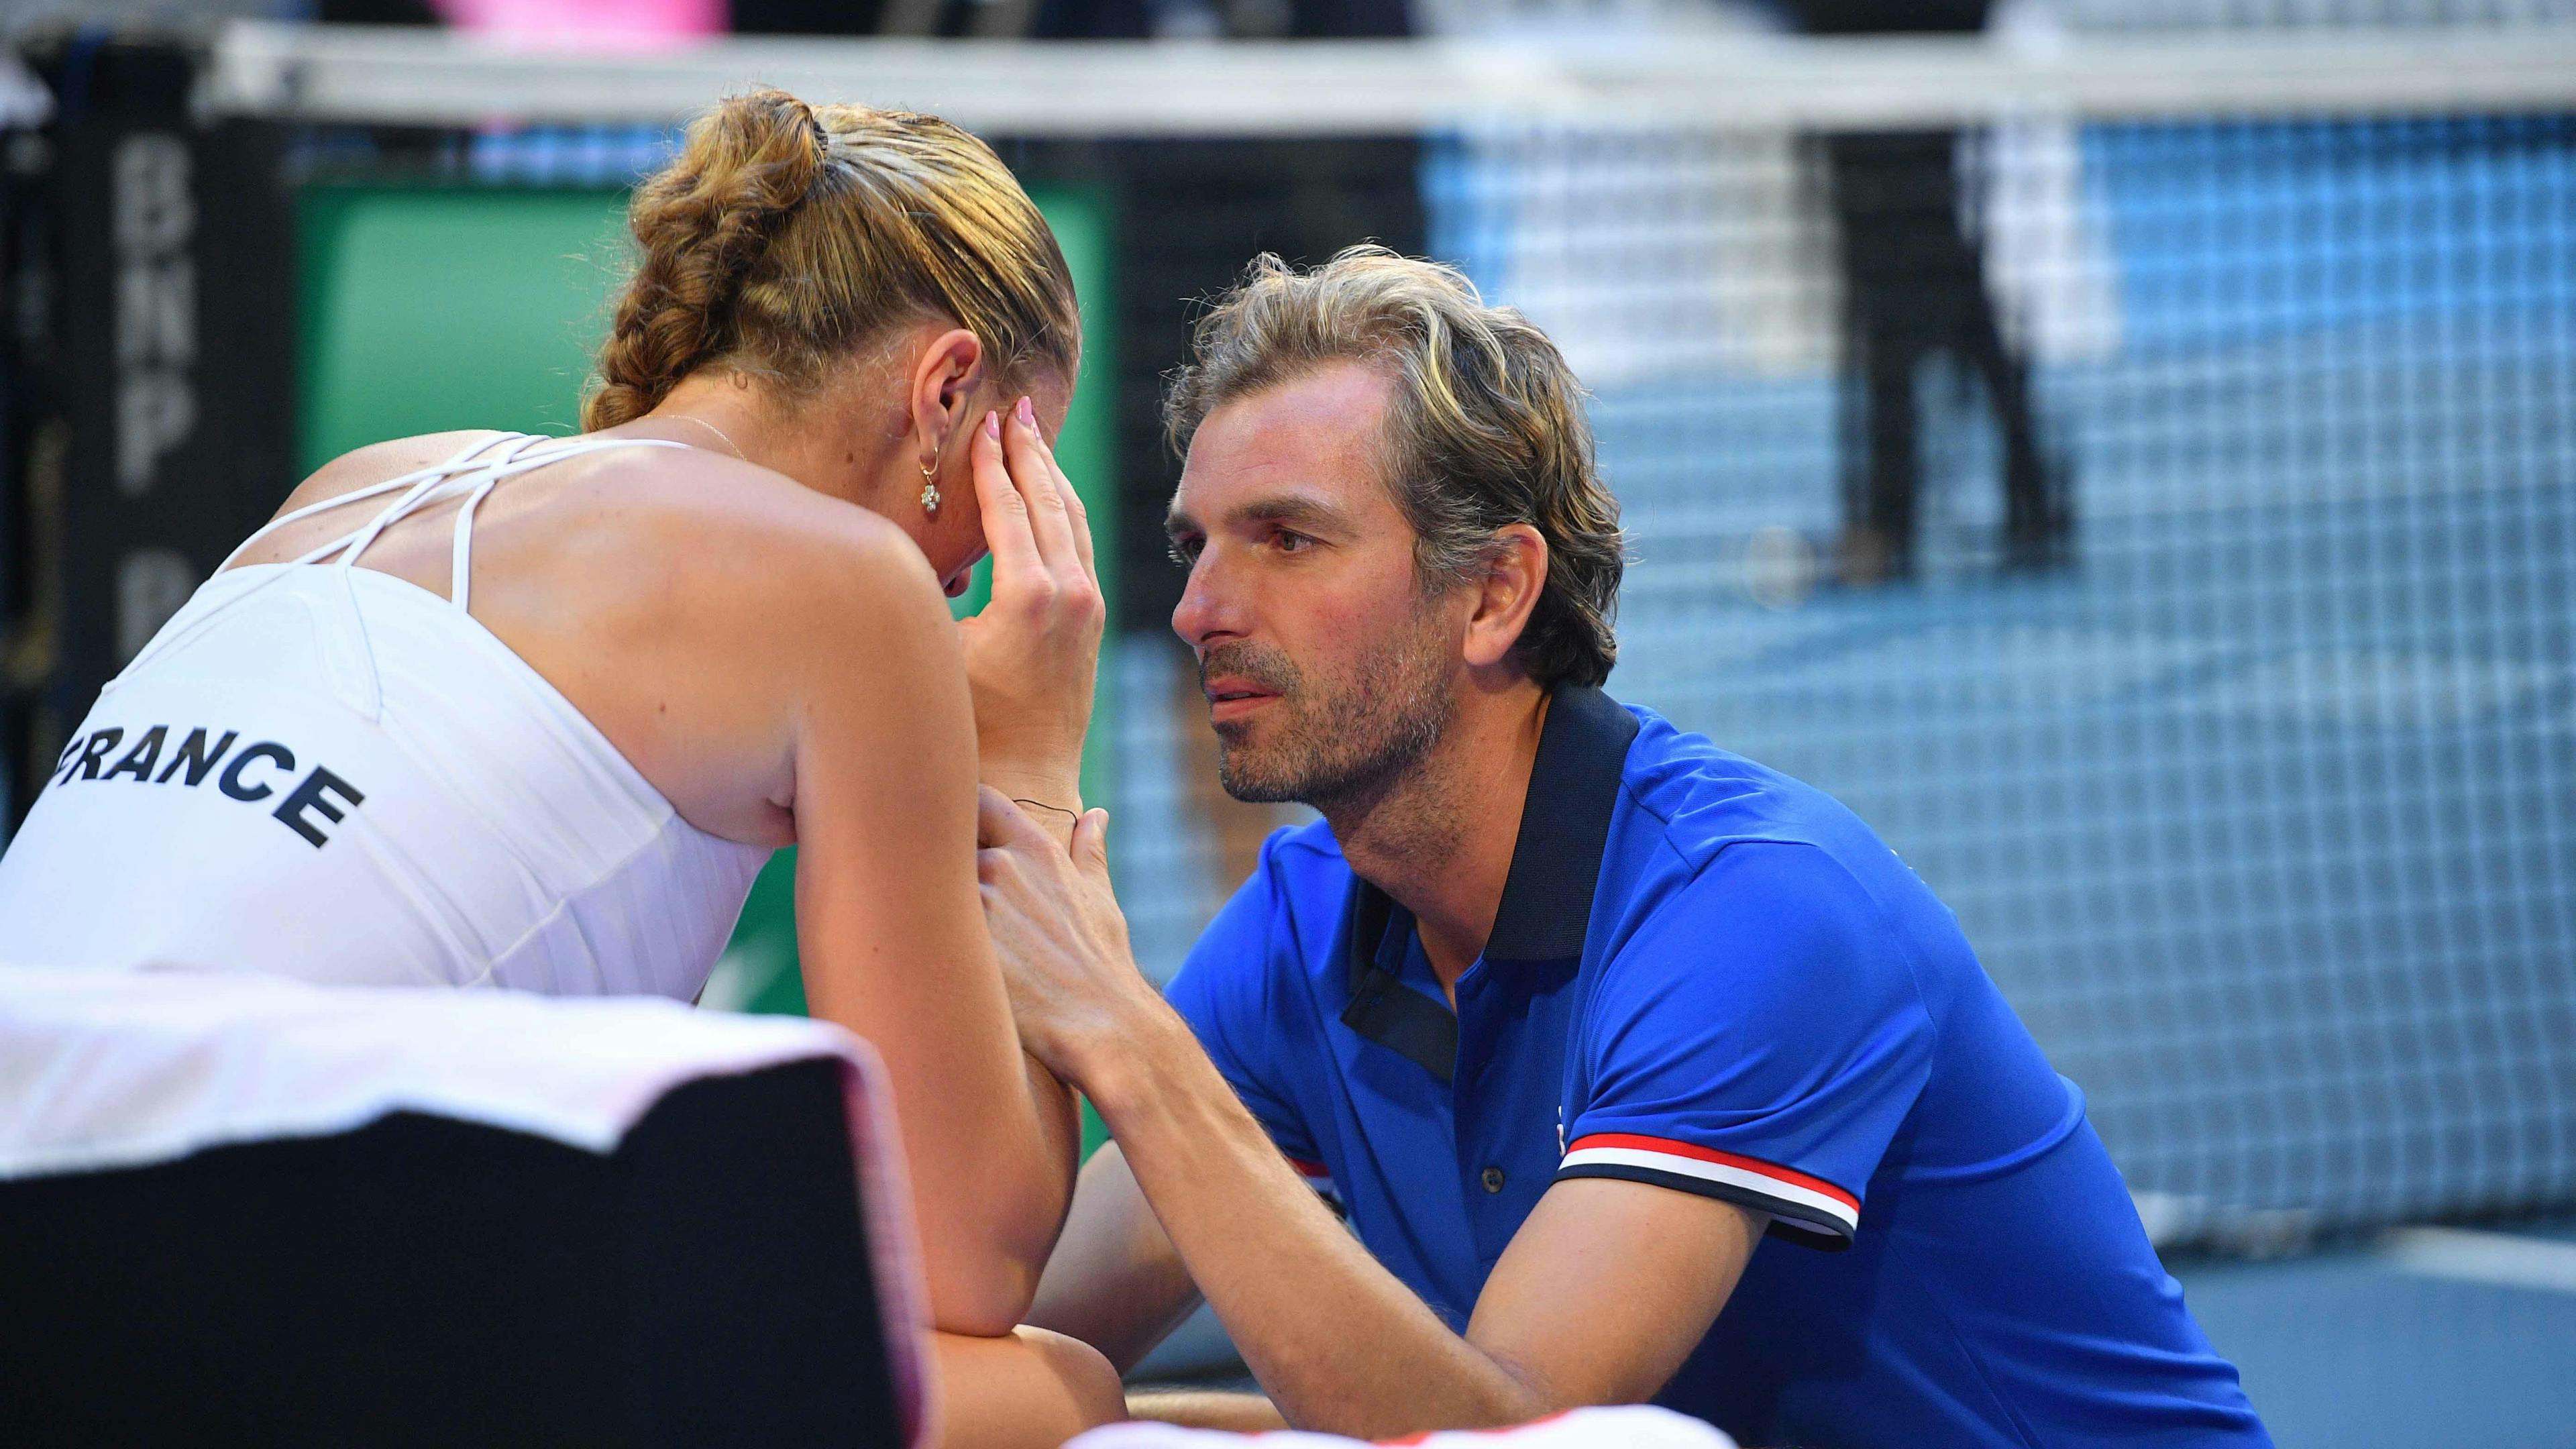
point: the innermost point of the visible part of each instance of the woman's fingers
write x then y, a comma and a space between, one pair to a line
1077, 514
1080, 515
1035, 475
1007, 530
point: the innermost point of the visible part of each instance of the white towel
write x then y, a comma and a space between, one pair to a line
102, 1069
116, 1069
1627, 1427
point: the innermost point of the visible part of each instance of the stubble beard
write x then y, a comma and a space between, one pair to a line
1341, 745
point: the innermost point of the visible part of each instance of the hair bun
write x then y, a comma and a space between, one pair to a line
702, 224
761, 248
765, 130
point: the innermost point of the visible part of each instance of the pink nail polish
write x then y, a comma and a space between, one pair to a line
1028, 415
992, 425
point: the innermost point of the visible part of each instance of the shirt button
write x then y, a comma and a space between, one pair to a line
1493, 1179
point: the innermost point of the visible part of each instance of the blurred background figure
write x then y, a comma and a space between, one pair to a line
1914, 289
591, 24
597, 24
1210, 19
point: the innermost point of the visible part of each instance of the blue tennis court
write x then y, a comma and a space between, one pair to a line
2446, 1337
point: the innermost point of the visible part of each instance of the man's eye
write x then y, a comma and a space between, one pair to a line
1293, 542
1183, 552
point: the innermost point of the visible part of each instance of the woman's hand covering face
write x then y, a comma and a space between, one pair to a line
1032, 654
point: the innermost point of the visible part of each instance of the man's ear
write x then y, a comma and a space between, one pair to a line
944, 379
1515, 574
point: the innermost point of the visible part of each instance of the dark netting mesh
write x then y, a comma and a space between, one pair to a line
2164, 534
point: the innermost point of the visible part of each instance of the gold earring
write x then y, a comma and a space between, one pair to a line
930, 487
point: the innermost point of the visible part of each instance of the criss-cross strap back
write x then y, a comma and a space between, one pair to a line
324, 770
473, 472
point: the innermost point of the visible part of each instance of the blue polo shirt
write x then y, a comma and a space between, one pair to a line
1708, 977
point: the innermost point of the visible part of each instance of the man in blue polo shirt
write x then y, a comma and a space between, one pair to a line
1641, 1072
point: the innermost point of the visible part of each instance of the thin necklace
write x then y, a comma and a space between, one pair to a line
712, 428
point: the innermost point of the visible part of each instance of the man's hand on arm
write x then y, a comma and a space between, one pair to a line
1599, 1298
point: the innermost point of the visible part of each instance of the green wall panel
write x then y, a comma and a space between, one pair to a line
426, 309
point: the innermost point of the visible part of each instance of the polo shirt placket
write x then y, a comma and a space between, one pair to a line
1501, 1053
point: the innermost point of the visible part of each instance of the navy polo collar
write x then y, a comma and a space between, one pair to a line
1547, 896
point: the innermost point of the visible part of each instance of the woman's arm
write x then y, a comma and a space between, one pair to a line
890, 925
1115, 1282
891, 932
782, 665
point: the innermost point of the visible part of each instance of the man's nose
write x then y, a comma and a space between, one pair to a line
1205, 613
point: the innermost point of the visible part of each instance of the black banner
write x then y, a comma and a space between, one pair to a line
153, 272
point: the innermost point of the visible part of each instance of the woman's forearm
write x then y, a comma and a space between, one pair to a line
986, 1253
1059, 1118
989, 1136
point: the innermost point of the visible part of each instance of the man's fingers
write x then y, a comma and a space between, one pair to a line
1090, 845
1006, 513
1000, 824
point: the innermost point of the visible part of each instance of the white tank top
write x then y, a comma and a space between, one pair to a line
324, 771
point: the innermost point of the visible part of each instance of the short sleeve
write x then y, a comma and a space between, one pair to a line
1761, 1039
1229, 991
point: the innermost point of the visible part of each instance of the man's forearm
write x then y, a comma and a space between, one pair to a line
1340, 1344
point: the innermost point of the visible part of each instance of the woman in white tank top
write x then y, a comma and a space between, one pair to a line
491, 710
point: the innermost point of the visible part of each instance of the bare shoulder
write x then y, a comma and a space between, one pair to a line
706, 614
737, 549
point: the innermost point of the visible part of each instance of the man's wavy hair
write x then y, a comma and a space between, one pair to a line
1486, 427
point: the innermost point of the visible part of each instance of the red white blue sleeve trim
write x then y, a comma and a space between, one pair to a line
1318, 1177
1794, 1200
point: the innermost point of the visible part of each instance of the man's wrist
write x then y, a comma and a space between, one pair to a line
1133, 1064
